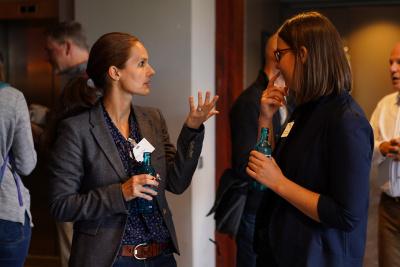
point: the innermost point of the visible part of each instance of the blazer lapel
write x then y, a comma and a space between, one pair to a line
318, 117
105, 141
146, 126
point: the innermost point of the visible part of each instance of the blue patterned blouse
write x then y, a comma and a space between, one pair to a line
140, 228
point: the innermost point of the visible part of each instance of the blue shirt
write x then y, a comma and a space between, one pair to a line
140, 228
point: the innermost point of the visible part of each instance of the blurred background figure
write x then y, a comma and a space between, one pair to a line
17, 157
385, 123
67, 48
243, 118
67, 52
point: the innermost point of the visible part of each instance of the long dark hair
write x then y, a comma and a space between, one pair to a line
79, 95
326, 69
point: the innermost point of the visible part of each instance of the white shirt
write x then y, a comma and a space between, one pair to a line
385, 122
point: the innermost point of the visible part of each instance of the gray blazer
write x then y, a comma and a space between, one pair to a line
87, 173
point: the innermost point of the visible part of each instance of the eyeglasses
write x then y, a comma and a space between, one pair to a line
280, 53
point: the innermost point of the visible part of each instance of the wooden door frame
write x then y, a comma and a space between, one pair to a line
229, 84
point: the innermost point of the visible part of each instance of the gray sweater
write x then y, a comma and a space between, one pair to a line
15, 134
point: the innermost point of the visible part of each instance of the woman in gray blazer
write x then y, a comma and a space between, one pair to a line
16, 141
96, 178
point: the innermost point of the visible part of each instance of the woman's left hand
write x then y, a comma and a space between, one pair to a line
264, 170
197, 116
267, 172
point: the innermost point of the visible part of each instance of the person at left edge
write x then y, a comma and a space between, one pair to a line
96, 182
15, 138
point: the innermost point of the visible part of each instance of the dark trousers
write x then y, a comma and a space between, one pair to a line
14, 242
245, 255
389, 231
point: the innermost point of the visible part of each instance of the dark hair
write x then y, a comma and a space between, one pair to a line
68, 30
326, 69
111, 49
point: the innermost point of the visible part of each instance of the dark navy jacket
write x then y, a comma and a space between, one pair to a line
328, 151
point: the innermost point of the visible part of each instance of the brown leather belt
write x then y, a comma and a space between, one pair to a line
144, 251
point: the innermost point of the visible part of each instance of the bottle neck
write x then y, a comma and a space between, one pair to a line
264, 136
146, 159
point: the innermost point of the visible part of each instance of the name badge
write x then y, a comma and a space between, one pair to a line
140, 148
287, 129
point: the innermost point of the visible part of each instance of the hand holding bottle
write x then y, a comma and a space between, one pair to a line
203, 112
136, 187
264, 170
264, 147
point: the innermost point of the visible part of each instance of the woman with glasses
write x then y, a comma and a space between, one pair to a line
315, 213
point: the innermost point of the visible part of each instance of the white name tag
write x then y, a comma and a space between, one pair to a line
287, 129
140, 148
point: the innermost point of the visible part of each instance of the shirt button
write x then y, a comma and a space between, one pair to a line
164, 211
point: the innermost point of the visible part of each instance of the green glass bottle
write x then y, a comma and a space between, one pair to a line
264, 147
147, 206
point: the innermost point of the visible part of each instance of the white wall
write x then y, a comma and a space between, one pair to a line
203, 186
179, 37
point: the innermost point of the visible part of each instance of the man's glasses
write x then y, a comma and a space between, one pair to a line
280, 53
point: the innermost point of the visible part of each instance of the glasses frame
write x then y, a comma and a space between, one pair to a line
280, 53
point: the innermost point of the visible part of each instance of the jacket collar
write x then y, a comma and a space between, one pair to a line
104, 138
105, 141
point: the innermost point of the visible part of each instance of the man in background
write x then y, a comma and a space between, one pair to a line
67, 48
385, 122
243, 118
67, 52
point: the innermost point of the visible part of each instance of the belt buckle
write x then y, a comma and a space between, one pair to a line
135, 251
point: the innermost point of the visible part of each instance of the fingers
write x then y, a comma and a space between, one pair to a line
211, 107
197, 116
275, 96
146, 180
200, 100
191, 104
273, 79
200, 105
395, 142
250, 172
140, 186
214, 101
206, 103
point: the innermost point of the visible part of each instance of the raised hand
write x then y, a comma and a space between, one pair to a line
272, 98
203, 112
